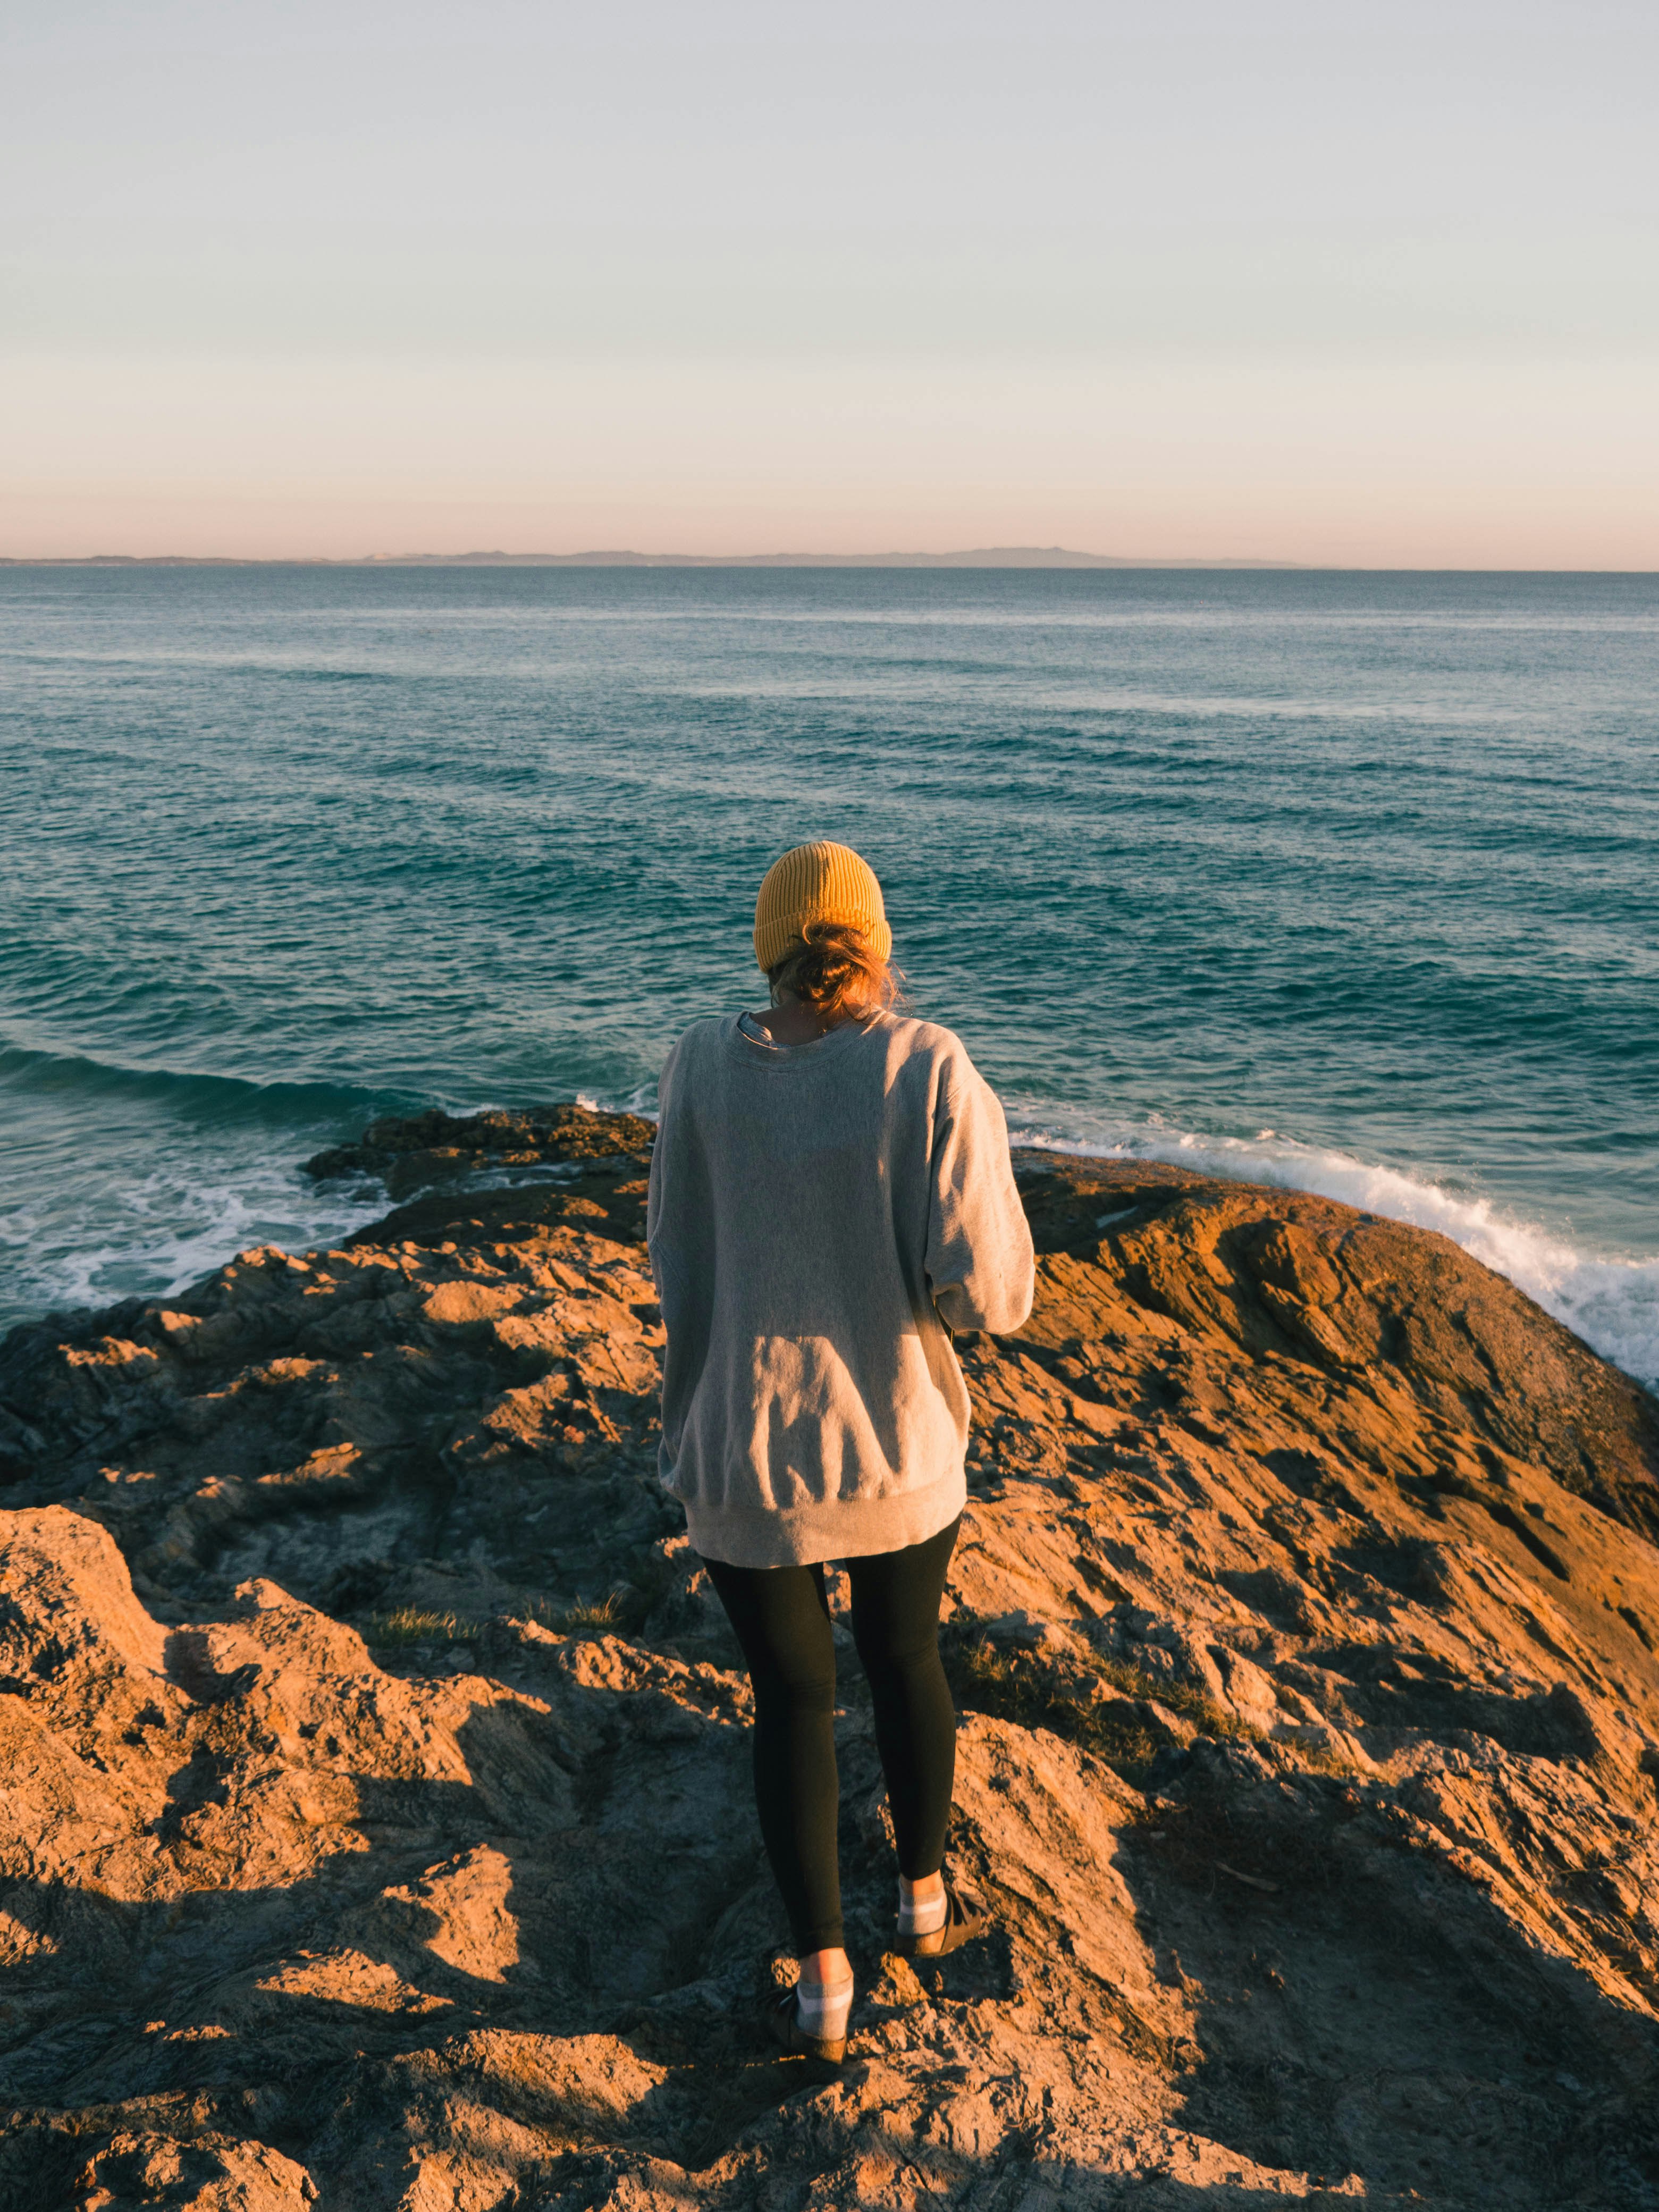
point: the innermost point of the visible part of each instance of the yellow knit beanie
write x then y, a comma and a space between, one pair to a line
818, 883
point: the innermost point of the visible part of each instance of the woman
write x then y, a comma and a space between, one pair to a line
831, 1197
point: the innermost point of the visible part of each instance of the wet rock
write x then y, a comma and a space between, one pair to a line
420, 1150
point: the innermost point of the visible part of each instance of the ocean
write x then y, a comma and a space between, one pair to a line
1343, 881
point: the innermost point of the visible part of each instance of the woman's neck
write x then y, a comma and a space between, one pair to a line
791, 1023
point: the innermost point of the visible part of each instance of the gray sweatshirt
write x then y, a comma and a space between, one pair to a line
816, 1216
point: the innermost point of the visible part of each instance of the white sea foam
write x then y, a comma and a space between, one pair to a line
172, 1232
1612, 1302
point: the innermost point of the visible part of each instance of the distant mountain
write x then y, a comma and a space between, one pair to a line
984, 557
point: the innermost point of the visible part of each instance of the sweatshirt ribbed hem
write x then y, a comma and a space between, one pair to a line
839, 1528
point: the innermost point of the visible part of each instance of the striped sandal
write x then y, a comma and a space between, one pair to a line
783, 2016
963, 1924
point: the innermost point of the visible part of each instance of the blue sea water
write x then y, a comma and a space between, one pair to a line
1342, 880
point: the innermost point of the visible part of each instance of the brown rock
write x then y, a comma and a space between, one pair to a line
374, 1819
209, 2174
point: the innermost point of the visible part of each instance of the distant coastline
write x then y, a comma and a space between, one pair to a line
987, 556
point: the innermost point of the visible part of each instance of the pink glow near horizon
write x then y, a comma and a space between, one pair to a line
300, 283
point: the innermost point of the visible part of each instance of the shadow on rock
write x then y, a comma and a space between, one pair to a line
1356, 2010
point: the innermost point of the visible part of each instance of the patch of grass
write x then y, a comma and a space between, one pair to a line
407, 1624
1208, 1717
1319, 1758
600, 1612
1014, 1686
1087, 1698
615, 1612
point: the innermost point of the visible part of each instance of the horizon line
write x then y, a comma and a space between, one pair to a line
1051, 557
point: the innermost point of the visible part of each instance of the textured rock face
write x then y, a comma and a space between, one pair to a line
374, 1817
422, 1150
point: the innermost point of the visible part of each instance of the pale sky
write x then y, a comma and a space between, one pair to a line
1293, 279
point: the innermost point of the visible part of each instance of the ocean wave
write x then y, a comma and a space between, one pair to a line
174, 1229
28, 1071
125, 1180
1611, 1301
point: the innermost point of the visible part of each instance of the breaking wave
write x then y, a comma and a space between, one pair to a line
1611, 1301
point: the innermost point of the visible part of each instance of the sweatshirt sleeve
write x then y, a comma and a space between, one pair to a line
979, 1260
654, 1184
662, 1193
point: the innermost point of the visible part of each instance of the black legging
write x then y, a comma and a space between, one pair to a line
781, 1617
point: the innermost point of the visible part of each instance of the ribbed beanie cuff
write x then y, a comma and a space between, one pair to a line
821, 882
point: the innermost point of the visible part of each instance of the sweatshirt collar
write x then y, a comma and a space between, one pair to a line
782, 1058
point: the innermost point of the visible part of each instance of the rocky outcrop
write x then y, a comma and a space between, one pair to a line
422, 1151
376, 1828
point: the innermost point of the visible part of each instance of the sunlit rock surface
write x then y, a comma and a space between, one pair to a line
375, 1815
